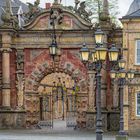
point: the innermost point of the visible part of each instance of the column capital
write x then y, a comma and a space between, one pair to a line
6, 86
91, 72
5, 50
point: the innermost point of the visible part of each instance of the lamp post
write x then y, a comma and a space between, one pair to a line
53, 45
56, 18
122, 75
98, 57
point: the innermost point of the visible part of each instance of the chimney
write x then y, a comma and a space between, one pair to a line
48, 5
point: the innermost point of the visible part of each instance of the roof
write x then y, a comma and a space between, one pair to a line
136, 14
15, 6
134, 10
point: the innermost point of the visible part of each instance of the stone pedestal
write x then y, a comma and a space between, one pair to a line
12, 119
91, 120
110, 120
118, 137
91, 91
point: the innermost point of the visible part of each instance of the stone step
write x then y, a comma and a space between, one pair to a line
44, 124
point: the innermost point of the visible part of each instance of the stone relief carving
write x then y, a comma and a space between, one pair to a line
20, 89
81, 112
56, 16
20, 60
20, 84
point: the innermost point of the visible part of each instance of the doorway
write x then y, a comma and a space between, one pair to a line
58, 101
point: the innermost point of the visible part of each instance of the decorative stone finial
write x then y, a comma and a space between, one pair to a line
105, 7
105, 13
104, 17
55, 2
6, 15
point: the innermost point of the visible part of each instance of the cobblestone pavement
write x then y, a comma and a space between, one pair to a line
59, 132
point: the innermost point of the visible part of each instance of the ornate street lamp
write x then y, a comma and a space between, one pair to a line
99, 37
122, 63
53, 48
98, 56
113, 53
122, 75
130, 74
84, 53
101, 53
113, 74
56, 17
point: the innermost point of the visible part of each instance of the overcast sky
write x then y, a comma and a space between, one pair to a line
123, 4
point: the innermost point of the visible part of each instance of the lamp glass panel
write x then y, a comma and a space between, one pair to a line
130, 75
122, 74
102, 54
99, 38
53, 50
85, 55
113, 56
113, 74
93, 56
122, 64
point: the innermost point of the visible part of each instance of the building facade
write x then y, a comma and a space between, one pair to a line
131, 35
37, 88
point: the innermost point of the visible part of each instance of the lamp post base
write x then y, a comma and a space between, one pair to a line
121, 137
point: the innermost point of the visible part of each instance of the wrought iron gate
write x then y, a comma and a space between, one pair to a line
71, 112
68, 99
47, 111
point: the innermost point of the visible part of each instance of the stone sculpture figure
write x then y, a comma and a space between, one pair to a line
81, 11
20, 60
33, 10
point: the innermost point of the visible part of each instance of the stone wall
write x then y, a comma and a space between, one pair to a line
134, 121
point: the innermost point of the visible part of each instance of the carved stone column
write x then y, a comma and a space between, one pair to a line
115, 95
91, 91
6, 45
126, 108
5, 77
20, 78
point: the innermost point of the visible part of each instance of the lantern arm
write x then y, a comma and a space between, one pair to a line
108, 66
122, 81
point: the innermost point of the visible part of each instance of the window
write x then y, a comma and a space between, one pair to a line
138, 52
138, 104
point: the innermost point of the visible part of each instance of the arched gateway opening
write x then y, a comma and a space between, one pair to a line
58, 97
47, 99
